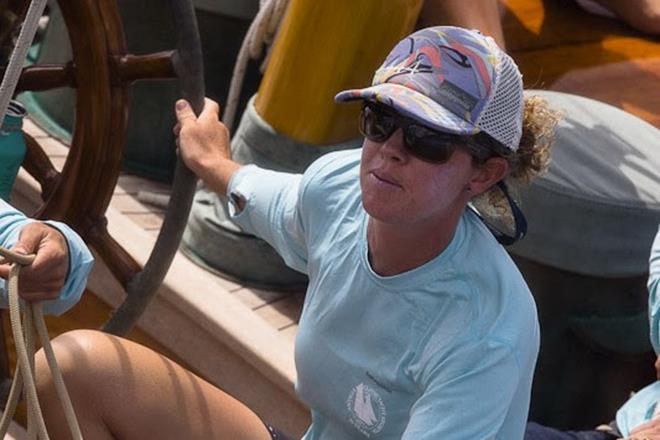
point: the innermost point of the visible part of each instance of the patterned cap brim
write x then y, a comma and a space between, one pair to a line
411, 104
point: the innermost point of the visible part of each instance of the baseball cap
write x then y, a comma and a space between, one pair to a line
453, 80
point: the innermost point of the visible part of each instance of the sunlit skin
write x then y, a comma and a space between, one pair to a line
414, 205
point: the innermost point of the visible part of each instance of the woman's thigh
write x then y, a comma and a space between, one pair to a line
121, 389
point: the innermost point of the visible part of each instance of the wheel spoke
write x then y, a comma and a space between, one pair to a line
46, 77
120, 263
39, 166
129, 68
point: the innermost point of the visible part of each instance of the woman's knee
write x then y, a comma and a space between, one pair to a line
82, 357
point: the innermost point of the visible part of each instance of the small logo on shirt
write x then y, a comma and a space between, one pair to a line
366, 410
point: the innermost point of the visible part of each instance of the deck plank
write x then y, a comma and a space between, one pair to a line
131, 184
282, 313
148, 221
34, 130
255, 298
290, 332
127, 204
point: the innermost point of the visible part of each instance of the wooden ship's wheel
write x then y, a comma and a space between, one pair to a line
102, 71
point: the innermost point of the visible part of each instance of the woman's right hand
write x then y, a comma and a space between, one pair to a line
203, 144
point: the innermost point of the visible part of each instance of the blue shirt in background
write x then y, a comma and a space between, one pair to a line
644, 405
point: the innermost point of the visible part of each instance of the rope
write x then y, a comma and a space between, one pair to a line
25, 37
32, 313
262, 31
25, 350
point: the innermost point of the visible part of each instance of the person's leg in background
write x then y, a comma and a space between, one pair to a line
483, 15
644, 15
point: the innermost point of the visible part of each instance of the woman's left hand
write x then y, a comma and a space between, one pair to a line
45, 277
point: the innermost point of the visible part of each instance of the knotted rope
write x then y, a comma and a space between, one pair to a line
25, 350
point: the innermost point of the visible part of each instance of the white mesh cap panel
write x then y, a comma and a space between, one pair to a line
502, 116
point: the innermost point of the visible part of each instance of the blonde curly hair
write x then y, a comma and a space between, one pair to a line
530, 160
538, 133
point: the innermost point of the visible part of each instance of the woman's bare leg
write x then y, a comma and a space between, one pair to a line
484, 15
123, 390
641, 14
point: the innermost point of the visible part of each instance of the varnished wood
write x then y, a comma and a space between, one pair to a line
322, 50
93, 163
39, 165
131, 68
45, 77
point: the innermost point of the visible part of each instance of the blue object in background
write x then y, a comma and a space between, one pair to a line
12, 147
640, 408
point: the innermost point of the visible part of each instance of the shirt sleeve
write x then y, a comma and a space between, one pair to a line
468, 396
272, 210
80, 259
654, 292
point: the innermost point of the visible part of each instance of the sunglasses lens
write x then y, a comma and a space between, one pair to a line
429, 145
376, 125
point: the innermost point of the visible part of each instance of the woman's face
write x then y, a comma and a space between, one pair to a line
399, 188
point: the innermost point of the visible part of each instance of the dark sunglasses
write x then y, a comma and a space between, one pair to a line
378, 123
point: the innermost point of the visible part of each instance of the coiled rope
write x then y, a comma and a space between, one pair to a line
23, 333
262, 31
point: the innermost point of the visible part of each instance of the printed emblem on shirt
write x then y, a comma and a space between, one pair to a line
366, 410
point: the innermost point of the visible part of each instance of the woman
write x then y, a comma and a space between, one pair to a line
416, 323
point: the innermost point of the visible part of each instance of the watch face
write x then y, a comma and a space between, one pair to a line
236, 203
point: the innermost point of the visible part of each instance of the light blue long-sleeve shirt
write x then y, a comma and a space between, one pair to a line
80, 259
444, 351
